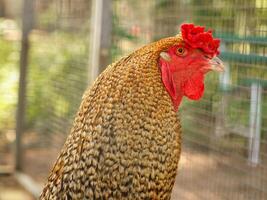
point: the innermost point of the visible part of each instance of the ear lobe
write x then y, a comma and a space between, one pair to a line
165, 56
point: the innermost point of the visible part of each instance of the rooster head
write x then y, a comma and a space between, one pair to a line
183, 66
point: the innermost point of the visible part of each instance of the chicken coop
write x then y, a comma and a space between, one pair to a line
51, 51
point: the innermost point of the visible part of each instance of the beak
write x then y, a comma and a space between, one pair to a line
216, 65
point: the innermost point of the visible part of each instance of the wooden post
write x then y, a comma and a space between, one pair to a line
255, 124
105, 42
101, 23
27, 23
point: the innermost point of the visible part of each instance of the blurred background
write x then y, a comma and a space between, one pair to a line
51, 50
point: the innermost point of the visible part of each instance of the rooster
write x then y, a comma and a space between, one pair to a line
125, 142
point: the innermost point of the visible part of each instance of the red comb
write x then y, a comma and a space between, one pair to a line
196, 37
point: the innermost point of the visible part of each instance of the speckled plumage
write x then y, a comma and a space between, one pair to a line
125, 141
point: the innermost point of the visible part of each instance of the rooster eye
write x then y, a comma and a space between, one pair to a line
181, 51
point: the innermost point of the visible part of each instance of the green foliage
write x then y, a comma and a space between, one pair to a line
54, 59
120, 33
9, 80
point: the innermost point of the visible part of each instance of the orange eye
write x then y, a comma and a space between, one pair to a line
181, 51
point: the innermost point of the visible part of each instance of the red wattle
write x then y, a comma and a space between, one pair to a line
193, 87
168, 81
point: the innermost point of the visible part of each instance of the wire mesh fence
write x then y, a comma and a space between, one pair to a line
224, 135
224, 154
57, 78
9, 51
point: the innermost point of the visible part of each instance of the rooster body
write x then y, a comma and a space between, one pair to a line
126, 139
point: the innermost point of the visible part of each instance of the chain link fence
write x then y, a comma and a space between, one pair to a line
224, 135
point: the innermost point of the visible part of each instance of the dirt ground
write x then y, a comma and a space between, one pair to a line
11, 190
214, 176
